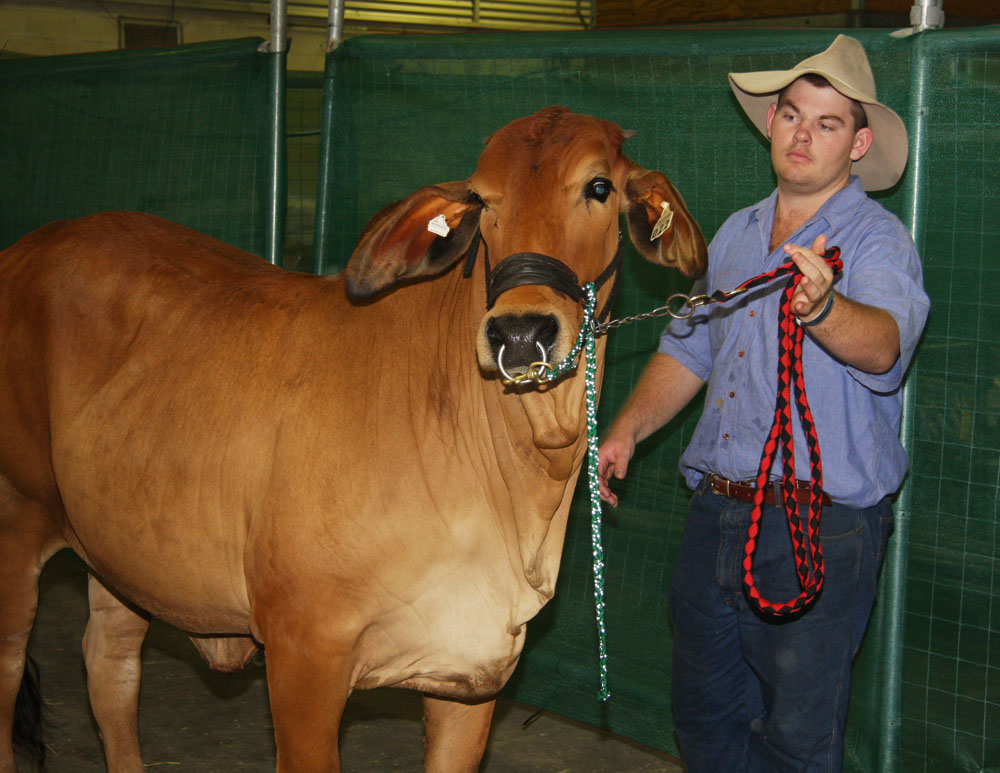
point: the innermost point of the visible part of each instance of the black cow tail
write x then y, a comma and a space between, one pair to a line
28, 715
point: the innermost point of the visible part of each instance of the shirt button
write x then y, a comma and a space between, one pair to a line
732, 394
725, 436
753, 313
741, 353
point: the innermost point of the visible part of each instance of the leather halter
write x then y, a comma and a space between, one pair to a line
534, 268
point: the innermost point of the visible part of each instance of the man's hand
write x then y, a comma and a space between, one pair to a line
817, 278
613, 457
664, 388
865, 337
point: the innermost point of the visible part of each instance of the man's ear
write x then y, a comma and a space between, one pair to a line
422, 235
863, 139
668, 234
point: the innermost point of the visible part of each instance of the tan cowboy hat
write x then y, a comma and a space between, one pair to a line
845, 65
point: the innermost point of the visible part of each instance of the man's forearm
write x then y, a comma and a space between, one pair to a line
664, 388
859, 335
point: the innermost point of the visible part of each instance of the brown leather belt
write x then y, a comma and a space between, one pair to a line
744, 491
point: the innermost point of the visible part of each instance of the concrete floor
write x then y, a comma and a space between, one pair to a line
193, 719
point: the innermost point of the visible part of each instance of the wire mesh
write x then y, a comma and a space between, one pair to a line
950, 707
303, 107
179, 132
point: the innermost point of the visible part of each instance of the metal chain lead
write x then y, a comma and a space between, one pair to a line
689, 302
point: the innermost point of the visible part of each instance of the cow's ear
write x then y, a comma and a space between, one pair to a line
667, 235
421, 235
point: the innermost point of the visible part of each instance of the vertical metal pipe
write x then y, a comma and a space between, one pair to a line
279, 26
321, 230
335, 24
913, 216
277, 185
927, 15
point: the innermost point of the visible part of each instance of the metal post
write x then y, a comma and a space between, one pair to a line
927, 15
279, 26
335, 24
889, 749
321, 231
277, 48
321, 228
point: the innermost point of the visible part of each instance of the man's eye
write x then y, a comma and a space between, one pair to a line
598, 189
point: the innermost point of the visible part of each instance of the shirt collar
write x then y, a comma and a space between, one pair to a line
836, 210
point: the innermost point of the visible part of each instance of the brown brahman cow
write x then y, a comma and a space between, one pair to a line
256, 458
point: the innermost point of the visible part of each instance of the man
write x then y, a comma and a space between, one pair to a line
750, 691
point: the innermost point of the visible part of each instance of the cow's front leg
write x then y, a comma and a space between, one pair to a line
456, 734
112, 650
309, 681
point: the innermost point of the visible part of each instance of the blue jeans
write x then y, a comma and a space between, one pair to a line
753, 693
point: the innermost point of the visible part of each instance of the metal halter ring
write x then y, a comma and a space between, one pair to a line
535, 372
690, 301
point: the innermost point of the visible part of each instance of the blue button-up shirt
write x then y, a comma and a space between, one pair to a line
734, 348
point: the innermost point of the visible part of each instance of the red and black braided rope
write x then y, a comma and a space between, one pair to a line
831, 256
808, 551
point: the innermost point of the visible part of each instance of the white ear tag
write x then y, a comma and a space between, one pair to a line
665, 221
439, 226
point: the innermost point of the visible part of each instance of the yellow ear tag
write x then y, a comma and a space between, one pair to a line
665, 221
439, 226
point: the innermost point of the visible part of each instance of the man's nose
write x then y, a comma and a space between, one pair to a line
802, 135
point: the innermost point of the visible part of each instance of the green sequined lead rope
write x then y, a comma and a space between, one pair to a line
595, 494
588, 340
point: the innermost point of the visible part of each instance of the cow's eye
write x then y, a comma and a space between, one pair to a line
475, 198
599, 189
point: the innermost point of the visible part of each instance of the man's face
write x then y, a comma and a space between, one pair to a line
813, 140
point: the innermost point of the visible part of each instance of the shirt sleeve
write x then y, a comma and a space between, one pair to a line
687, 341
886, 273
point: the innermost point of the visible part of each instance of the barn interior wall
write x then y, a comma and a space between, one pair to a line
823, 13
55, 27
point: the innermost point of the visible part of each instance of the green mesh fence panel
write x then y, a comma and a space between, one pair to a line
180, 133
303, 105
950, 707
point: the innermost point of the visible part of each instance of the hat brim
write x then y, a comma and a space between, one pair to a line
883, 164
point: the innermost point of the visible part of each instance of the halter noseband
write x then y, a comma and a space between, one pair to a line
533, 268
